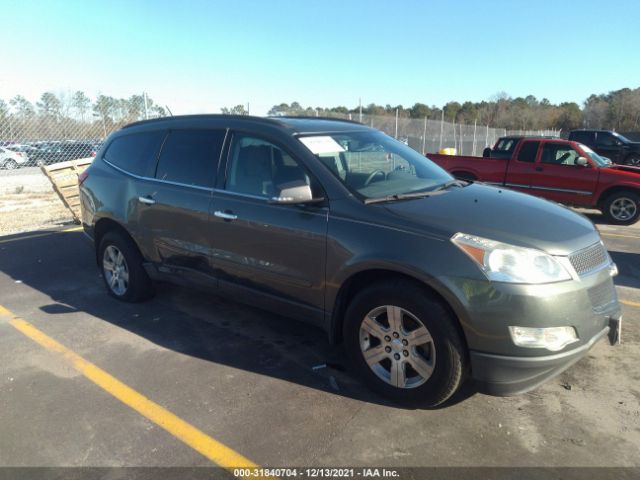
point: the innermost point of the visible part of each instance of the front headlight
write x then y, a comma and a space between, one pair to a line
502, 262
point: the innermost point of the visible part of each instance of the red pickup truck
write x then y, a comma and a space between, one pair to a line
560, 170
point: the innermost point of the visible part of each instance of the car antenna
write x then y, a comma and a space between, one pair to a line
168, 110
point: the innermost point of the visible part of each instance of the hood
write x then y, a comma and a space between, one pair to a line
623, 168
497, 214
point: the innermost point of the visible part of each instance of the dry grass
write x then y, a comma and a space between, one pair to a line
23, 211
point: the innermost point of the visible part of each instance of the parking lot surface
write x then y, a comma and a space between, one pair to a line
269, 389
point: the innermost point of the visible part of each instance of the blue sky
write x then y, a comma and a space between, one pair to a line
197, 56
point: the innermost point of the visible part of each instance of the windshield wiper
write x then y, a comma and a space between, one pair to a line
410, 195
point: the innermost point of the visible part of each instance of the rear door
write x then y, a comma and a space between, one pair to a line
270, 255
173, 206
558, 178
521, 168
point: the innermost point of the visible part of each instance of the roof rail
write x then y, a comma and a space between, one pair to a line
313, 117
271, 120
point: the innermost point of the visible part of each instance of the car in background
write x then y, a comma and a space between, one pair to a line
607, 143
560, 170
24, 149
10, 160
63, 151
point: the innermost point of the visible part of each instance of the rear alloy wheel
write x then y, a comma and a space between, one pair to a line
404, 343
122, 269
633, 160
622, 208
115, 270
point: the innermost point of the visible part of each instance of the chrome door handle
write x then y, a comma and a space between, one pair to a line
146, 200
226, 216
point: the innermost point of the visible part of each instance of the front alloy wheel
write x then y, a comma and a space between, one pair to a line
392, 330
397, 346
116, 270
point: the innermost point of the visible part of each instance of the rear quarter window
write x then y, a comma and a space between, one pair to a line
135, 153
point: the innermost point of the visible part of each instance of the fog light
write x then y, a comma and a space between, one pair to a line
552, 338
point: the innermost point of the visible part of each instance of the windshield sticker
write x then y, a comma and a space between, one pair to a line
319, 145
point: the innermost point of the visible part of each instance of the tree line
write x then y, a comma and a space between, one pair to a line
72, 115
75, 114
617, 110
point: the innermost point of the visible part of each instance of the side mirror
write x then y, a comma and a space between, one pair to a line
294, 193
582, 162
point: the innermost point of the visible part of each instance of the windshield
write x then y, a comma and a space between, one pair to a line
597, 159
621, 137
373, 165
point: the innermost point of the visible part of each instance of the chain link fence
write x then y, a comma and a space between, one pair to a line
29, 141
430, 136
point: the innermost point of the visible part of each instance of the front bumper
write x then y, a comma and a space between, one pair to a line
506, 375
487, 309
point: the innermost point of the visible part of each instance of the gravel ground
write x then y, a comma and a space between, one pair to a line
28, 202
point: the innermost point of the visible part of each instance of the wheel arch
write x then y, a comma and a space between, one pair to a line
464, 174
106, 225
616, 189
361, 279
631, 155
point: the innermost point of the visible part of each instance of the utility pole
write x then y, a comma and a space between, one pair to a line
146, 107
396, 136
248, 111
424, 136
475, 125
441, 129
360, 103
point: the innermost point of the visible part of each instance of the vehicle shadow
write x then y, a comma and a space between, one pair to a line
62, 267
628, 267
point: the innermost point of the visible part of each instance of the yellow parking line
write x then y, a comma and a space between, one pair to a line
187, 433
36, 235
631, 304
619, 235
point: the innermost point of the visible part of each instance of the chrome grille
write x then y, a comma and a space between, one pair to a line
601, 296
589, 259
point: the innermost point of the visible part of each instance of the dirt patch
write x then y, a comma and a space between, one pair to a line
25, 211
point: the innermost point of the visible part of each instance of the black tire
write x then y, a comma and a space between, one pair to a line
10, 164
450, 357
633, 160
620, 198
139, 286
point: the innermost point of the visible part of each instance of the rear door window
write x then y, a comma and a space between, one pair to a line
191, 157
528, 152
135, 153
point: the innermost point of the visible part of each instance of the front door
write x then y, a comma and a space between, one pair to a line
267, 254
558, 178
609, 146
